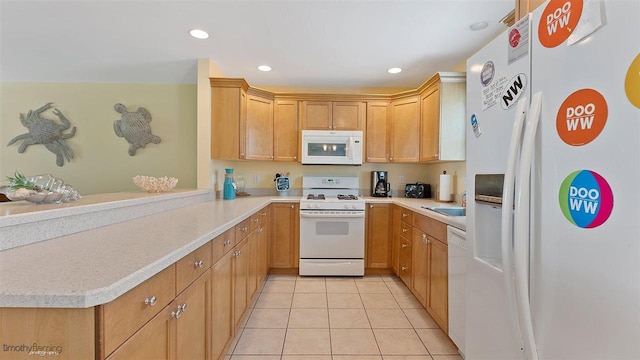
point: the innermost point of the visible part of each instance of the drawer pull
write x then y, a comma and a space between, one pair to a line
256, 220
260, 229
150, 301
403, 246
199, 264
244, 228
181, 308
405, 215
404, 230
263, 214
227, 242
404, 268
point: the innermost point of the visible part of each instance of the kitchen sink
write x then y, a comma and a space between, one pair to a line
448, 210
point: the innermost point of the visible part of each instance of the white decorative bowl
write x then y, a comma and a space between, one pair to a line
154, 184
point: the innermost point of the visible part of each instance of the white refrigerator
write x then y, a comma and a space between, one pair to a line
553, 179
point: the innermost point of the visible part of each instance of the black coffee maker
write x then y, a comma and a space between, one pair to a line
379, 184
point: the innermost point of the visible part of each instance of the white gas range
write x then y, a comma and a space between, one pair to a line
331, 226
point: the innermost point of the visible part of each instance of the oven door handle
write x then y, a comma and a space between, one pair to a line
333, 215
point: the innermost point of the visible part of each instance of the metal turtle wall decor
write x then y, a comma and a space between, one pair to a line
46, 132
135, 128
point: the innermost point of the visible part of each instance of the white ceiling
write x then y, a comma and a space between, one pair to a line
307, 43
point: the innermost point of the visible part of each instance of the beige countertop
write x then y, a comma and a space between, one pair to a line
97, 265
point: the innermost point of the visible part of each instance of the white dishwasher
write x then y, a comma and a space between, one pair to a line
457, 240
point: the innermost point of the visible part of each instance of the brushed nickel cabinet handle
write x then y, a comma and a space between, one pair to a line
198, 264
403, 246
404, 268
404, 230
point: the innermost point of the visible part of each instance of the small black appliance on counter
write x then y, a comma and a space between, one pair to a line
417, 190
380, 186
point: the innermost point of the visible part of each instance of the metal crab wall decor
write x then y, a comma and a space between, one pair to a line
46, 132
135, 128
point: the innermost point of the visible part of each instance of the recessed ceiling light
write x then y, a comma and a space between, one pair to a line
478, 26
394, 70
199, 34
264, 68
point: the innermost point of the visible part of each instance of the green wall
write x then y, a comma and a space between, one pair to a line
101, 162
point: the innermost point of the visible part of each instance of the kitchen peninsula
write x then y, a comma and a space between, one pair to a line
68, 282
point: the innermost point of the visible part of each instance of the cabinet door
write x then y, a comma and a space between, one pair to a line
153, 341
430, 125
378, 236
284, 236
221, 305
316, 115
240, 275
193, 326
228, 106
285, 130
252, 263
377, 149
405, 130
420, 269
264, 231
438, 296
348, 115
259, 129
395, 241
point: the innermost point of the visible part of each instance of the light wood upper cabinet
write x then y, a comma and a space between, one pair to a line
376, 143
316, 115
442, 118
348, 115
378, 236
259, 129
228, 117
523, 7
332, 115
405, 130
285, 130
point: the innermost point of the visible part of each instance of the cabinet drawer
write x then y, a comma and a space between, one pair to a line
431, 227
223, 243
404, 270
405, 247
126, 314
404, 230
243, 229
192, 266
254, 221
406, 216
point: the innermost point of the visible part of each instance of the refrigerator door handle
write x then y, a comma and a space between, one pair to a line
515, 144
521, 233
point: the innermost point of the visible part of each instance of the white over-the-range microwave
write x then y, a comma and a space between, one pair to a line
331, 147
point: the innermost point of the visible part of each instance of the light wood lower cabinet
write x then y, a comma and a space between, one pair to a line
284, 252
264, 230
438, 293
153, 341
69, 333
126, 314
240, 276
180, 330
221, 305
419, 259
378, 236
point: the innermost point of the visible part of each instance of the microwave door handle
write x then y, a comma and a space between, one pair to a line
350, 147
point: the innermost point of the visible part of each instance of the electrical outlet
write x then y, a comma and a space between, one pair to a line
256, 179
401, 179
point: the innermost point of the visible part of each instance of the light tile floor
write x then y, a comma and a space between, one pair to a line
317, 318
